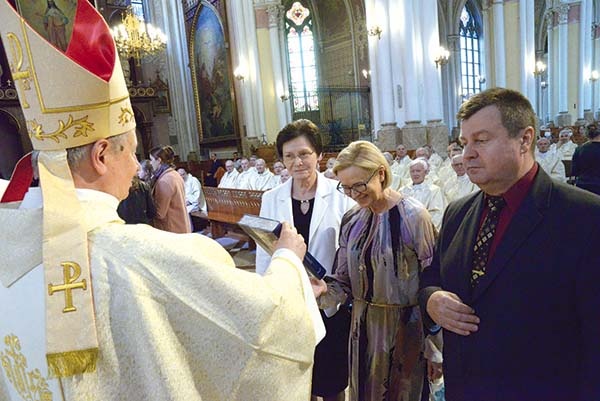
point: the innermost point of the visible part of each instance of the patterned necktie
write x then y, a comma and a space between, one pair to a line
485, 237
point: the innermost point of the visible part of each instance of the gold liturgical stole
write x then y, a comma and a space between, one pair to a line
72, 345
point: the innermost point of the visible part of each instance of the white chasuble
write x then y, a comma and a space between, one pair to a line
176, 321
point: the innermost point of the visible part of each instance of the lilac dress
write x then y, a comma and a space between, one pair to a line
379, 261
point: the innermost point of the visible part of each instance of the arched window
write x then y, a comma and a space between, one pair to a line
470, 55
137, 6
301, 58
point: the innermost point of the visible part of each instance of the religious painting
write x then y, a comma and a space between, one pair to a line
211, 77
52, 19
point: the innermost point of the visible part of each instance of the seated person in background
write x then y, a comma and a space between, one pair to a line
434, 160
278, 167
565, 147
586, 162
263, 178
194, 197
446, 172
460, 185
550, 161
252, 162
243, 180
425, 154
430, 195
138, 207
145, 172
329, 168
229, 179
285, 175
396, 181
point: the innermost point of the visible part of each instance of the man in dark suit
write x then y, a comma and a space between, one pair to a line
514, 274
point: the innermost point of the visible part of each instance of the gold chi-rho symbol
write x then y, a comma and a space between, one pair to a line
71, 272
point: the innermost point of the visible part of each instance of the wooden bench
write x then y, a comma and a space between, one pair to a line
226, 206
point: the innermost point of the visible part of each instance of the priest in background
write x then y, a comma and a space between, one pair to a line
229, 179
262, 180
549, 160
460, 185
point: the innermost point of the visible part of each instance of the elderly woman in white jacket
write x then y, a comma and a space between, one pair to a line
311, 203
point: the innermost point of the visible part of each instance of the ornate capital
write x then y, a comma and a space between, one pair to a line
274, 11
549, 19
563, 13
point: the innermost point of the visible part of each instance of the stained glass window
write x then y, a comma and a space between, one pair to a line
301, 58
137, 6
470, 62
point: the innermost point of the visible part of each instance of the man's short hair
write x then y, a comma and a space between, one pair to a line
516, 112
77, 154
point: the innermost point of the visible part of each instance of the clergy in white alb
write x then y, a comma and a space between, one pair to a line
430, 195
263, 179
229, 179
460, 185
194, 196
446, 172
246, 175
549, 160
565, 147
93, 309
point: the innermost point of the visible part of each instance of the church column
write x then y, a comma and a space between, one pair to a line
527, 30
499, 47
453, 75
379, 58
182, 122
585, 109
281, 88
551, 108
563, 117
245, 58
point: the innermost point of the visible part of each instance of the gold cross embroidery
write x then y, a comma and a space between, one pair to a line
19, 76
71, 272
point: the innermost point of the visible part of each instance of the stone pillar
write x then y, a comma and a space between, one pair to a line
412, 77
414, 135
453, 71
551, 67
274, 12
437, 136
388, 137
527, 30
182, 122
499, 48
563, 117
432, 85
585, 55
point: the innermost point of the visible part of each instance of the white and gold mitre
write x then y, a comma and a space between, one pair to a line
72, 98
72, 93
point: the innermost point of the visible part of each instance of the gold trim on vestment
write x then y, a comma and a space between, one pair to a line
65, 364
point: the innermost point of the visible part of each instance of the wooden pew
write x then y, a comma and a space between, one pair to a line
226, 206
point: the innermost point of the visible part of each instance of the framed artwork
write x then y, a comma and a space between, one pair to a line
211, 76
52, 19
162, 103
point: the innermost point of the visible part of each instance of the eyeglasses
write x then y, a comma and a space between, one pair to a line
290, 157
359, 187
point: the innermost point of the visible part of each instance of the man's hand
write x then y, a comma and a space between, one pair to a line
291, 240
319, 287
447, 310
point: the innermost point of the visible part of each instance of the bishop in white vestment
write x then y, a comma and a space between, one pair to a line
93, 309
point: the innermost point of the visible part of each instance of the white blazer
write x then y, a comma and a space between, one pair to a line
329, 207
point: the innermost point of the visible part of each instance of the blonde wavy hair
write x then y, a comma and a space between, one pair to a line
364, 155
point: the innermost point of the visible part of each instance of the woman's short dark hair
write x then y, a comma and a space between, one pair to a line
298, 128
166, 154
592, 131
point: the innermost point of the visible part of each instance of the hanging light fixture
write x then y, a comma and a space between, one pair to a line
135, 38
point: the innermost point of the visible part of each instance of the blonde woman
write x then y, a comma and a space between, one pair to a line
385, 241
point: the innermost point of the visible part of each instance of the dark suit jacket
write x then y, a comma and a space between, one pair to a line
539, 336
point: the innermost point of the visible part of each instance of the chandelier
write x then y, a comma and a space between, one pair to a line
135, 38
